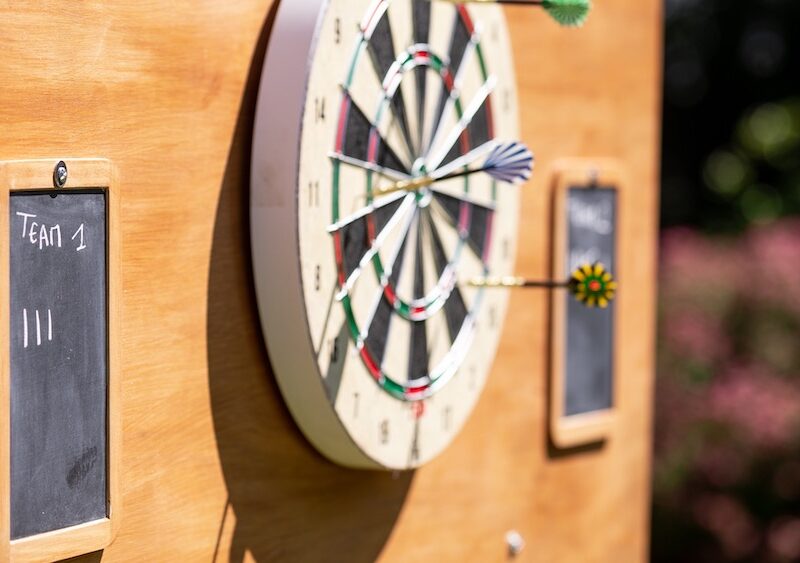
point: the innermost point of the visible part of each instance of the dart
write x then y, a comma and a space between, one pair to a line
568, 13
508, 162
591, 284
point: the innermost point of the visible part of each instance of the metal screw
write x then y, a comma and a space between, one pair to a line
60, 175
515, 543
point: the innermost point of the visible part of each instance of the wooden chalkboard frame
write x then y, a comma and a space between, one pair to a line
581, 429
26, 175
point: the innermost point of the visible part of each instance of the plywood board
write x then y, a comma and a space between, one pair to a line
212, 466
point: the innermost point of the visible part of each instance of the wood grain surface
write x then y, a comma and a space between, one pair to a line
212, 466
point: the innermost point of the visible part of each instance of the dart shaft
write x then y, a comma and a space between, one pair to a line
501, 282
424, 182
522, 2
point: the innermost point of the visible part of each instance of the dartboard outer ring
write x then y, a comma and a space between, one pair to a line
275, 235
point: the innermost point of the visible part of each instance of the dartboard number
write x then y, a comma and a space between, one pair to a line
319, 110
317, 278
337, 31
447, 418
333, 344
313, 194
356, 398
384, 431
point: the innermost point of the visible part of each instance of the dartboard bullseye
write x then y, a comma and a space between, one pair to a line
383, 182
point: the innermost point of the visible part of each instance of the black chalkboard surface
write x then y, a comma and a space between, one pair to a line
591, 237
59, 360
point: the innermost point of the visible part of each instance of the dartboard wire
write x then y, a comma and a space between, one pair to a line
382, 53
391, 83
446, 274
421, 19
380, 296
455, 92
388, 173
407, 61
376, 245
327, 320
367, 210
465, 160
448, 365
388, 272
479, 248
374, 358
373, 17
465, 200
376, 140
396, 126
434, 159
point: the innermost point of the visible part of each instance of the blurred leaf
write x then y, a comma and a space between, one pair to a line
761, 204
769, 131
727, 173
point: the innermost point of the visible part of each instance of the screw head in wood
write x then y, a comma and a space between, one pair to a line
515, 543
60, 175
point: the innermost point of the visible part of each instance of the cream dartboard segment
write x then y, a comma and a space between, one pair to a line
376, 198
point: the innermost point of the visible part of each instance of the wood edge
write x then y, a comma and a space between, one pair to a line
5, 371
571, 431
114, 274
62, 544
20, 175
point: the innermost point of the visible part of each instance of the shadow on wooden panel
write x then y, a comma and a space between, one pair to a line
95, 557
286, 502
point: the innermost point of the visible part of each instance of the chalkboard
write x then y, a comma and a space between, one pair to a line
591, 237
59, 360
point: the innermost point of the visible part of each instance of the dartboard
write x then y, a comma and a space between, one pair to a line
379, 342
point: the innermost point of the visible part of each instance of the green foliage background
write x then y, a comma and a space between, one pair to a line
726, 483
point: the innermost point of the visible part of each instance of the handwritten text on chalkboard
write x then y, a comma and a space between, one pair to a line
59, 352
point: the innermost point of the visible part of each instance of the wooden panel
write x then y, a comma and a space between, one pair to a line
212, 465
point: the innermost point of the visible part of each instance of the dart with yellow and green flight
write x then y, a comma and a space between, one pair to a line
591, 284
568, 13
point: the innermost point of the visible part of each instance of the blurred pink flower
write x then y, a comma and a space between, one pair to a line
774, 254
678, 408
728, 520
783, 539
696, 267
697, 336
765, 408
786, 480
722, 466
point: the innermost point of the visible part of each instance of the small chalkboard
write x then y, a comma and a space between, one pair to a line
591, 216
587, 200
59, 358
